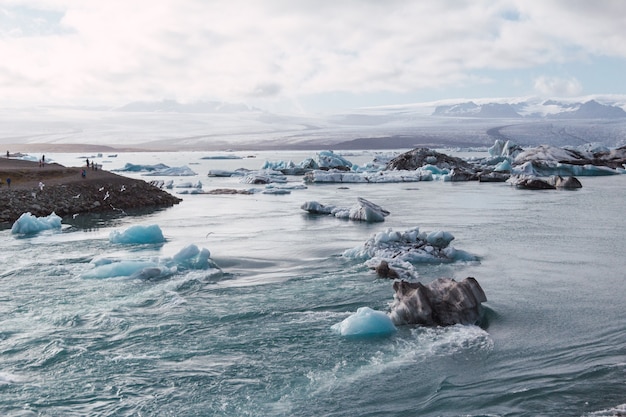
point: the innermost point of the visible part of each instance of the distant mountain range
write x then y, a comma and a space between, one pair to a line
172, 106
552, 109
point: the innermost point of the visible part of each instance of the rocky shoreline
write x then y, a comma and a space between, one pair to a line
44, 189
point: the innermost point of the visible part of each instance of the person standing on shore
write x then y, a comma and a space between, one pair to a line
7, 154
9, 182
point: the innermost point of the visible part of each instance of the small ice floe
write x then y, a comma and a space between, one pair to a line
276, 191
28, 224
138, 234
364, 210
366, 322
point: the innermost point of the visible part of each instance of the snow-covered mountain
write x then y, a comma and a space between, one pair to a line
590, 109
170, 125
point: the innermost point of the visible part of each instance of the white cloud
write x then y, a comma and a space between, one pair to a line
559, 87
119, 50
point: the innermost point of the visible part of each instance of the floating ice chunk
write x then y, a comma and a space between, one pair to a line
188, 184
122, 269
367, 211
191, 191
225, 173
435, 169
289, 168
222, 157
286, 186
366, 323
314, 207
192, 257
141, 168
276, 191
409, 246
29, 224
189, 258
138, 234
264, 177
506, 149
183, 171
442, 302
439, 239
336, 176
503, 166
329, 159
364, 210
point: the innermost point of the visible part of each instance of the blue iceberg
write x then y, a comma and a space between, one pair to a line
29, 224
138, 234
366, 323
189, 258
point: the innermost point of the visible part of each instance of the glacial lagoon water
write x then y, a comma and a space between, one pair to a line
256, 340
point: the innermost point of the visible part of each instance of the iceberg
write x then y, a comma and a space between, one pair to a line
192, 257
138, 234
337, 176
532, 182
137, 269
183, 171
364, 210
329, 159
141, 168
226, 173
222, 157
506, 149
403, 249
266, 176
188, 258
28, 224
547, 160
442, 302
366, 323
289, 168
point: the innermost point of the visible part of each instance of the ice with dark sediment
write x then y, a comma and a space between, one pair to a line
338, 176
442, 302
402, 250
266, 176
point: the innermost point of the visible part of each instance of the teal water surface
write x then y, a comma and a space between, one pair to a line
256, 339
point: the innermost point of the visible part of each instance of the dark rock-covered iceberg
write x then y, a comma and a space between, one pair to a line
443, 302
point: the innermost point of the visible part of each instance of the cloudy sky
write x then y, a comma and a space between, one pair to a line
312, 55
